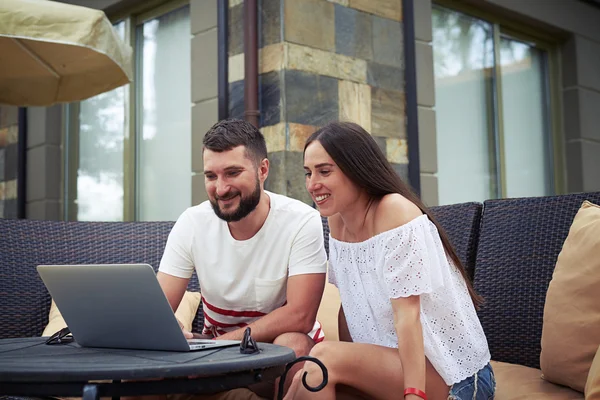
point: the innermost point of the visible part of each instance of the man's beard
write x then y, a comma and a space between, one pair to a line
246, 206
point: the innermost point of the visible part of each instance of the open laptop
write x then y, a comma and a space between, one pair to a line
118, 306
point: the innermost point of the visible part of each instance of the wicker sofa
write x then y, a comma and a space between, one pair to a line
509, 247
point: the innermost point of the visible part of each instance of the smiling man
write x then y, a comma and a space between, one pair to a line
259, 256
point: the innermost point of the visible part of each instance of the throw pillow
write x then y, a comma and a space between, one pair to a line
571, 327
592, 386
186, 312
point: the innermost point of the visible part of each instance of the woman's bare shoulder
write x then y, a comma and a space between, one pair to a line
394, 210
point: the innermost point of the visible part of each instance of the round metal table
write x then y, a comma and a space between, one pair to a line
29, 367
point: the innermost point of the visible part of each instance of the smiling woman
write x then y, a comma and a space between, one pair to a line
406, 298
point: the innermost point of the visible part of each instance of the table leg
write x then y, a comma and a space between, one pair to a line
116, 397
90, 392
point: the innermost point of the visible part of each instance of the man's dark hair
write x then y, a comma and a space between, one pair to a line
230, 133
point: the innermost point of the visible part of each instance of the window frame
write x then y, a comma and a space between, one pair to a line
132, 17
549, 43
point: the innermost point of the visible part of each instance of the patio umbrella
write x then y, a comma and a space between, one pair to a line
52, 53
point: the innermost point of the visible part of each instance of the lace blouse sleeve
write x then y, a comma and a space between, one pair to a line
413, 257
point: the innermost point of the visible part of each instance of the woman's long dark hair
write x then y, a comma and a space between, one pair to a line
359, 157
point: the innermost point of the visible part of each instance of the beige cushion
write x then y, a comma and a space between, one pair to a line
516, 382
571, 330
592, 385
186, 312
328, 312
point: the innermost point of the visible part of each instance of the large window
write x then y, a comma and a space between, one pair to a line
494, 131
129, 154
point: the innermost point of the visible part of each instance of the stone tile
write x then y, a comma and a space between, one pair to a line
310, 99
9, 115
44, 126
236, 30
583, 166
573, 152
588, 63
342, 2
590, 114
425, 79
427, 140
10, 189
423, 30
385, 76
388, 39
12, 136
270, 98
10, 208
310, 23
320, 62
2, 163
381, 142
11, 164
205, 68
204, 115
582, 119
271, 58
43, 173
355, 103
429, 190
269, 22
275, 137
236, 99
295, 178
203, 15
353, 33
298, 134
276, 181
235, 66
590, 158
571, 111
569, 63
391, 9
402, 171
387, 115
3, 137
48, 210
396, 150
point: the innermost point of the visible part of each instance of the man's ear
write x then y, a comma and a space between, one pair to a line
263, 170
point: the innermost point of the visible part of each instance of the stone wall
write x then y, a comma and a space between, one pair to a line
9, 134
321, 61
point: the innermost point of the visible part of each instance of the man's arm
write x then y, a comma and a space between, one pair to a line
304, 294
176, 265
174, 288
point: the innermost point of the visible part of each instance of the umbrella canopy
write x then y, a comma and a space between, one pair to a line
52, 53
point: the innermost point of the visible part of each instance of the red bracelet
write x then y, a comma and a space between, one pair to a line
415, 391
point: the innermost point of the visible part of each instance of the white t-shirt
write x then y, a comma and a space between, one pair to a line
410, 260
243, 280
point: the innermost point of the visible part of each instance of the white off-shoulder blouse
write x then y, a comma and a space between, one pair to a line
410, 260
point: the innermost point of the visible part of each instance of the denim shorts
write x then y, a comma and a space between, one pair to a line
480, 386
